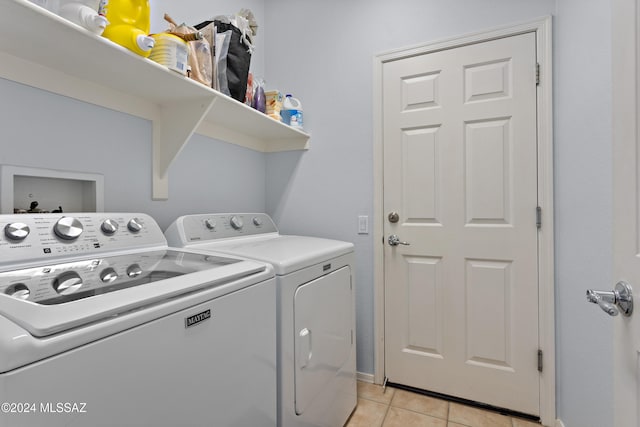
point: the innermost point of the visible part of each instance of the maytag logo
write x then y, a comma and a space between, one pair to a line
197, 318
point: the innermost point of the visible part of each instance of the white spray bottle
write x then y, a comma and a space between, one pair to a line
84, 13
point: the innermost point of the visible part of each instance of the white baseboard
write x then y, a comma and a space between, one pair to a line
559, 423
365, 378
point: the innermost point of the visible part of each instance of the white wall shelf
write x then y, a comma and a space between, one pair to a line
40, 49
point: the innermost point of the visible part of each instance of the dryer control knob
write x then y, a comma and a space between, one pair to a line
109, 226
16, 231
236, 222
257, 221
67, 283
210, 224
134, 225
68, 228
19, 290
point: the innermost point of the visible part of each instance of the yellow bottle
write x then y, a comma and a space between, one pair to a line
129, 24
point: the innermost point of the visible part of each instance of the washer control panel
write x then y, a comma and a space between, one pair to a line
30, 238
63, 282
207, 227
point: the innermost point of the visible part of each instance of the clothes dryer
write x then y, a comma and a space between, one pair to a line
315, 310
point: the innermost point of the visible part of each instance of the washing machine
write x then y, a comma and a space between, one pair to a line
315, 310
102, 324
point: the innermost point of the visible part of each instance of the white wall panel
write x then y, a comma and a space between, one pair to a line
583, 217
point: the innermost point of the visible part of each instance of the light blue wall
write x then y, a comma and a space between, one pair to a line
40, 129
583, 197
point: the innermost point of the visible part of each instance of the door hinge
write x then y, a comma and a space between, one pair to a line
539, 360
537, 74
538, 217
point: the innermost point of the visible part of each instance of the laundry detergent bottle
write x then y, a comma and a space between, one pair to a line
291, 112
129, 24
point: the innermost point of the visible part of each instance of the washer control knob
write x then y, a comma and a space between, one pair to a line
134, 225
257, 221
19, 290
67, 283
16, 231
109, 226
68, 228
108, 275
210, 223
134, 270
236, 222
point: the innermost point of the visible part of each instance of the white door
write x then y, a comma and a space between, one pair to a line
461, 300
323, 343
626, 212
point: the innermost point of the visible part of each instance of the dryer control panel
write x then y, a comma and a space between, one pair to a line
206, 227
27, 238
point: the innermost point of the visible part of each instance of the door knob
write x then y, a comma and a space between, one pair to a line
394, 217
394, 240
620, 299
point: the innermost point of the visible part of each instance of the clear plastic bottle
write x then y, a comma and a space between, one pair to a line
248, 99
259, 99
81, 12
84, 13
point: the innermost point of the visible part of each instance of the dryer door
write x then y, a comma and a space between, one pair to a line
323, 313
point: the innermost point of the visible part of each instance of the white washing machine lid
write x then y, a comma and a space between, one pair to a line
285, 252
44, 315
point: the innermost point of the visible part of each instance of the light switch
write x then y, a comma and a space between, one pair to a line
363, 224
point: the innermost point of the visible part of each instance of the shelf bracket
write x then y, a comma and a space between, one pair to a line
171, 131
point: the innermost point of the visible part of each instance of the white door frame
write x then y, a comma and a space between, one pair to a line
542, 28
625, 107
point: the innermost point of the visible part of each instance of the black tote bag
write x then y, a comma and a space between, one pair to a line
238, 59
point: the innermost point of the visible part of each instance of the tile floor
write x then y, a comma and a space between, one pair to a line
400, 408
